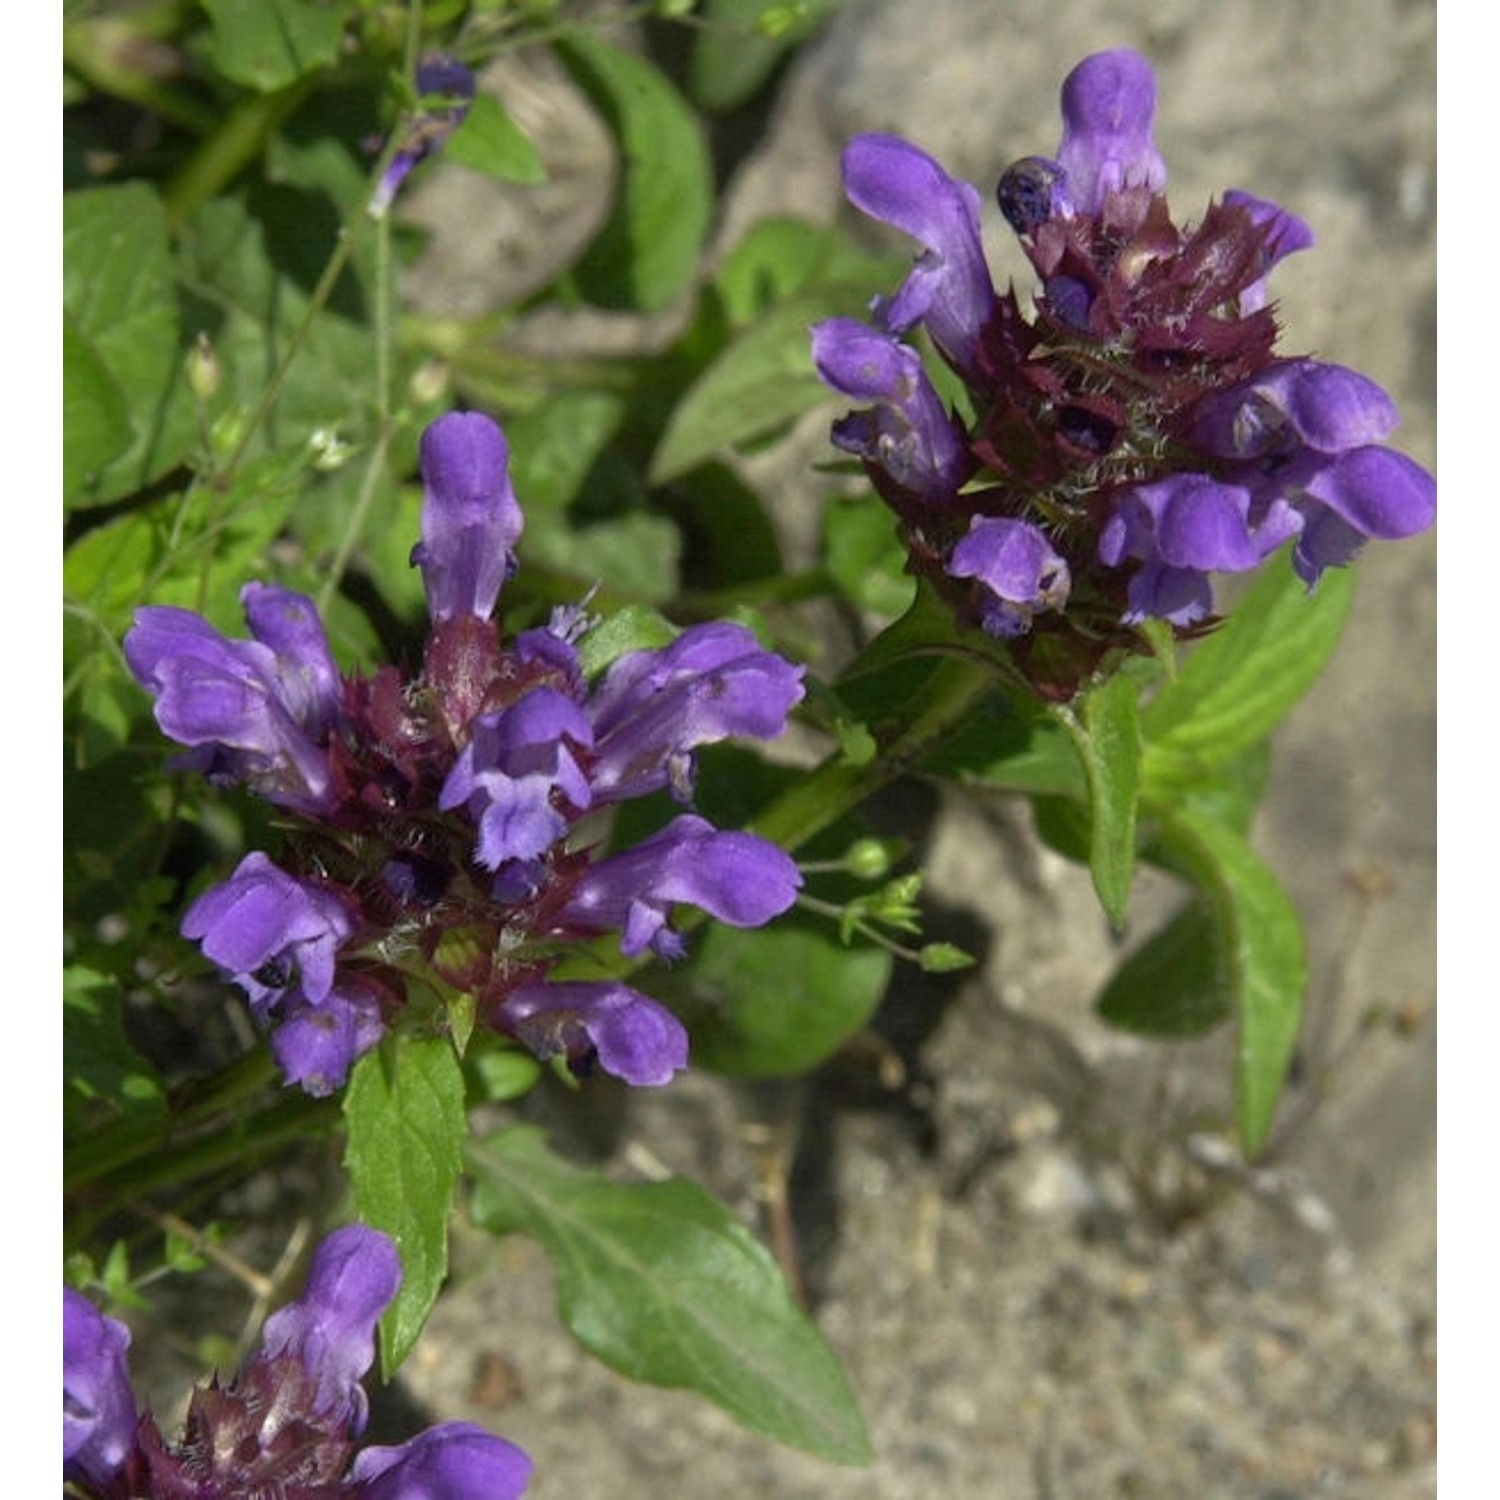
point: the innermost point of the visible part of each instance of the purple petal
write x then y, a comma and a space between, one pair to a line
250, 714
452, 1461
99, 1416
737, 877
1181, 596
1108, 104
909, 434
1282, 234
316, 1045
633, 1037
949, 288
288, 625
1191, 521
1294, 404
512, 767
1017, 566
262, 917
1379, 492
330, 1329
654, 707
470, 518
1368, 492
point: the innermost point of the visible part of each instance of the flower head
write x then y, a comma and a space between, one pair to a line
1138, 431
455, 839
287, 1423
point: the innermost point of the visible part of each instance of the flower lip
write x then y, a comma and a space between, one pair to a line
330, 1328
99, 1415
949, 289
632, 1036
470, 517
1108, 105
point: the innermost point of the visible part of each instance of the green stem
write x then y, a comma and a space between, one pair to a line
834, 788
221, 158
375, 465
226, 1093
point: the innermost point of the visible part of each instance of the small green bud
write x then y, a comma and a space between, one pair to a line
228, 431
943, 958
871, 859
428, 384
203, 373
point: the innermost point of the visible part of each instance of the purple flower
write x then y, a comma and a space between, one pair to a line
278, 938
454, 1461
1183, 528
470, 518
1290, 405
1366, 493
737, 877
1020, 571
99, 1417
287, 1422
909, 433
949, 289
1308, 433
257, 711
631, 1036
655, 707
508, 774
330, 1329
1108, 104
448, 79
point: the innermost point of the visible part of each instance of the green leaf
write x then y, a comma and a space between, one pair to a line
665, 1285
647, 253
1236, 686
637, 627
268, 44
773, 1002
865, 557
1266, 961
762, 381
1107, 737
490, 141
123, 385
96, 419
405, 1111
1175, 984
102, 1068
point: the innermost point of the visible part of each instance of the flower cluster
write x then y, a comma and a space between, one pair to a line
287, 1423
1135, 435
444, 827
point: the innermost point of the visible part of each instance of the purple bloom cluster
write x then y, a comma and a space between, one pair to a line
288, 1421
443, 825
438, 76
1135, 435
